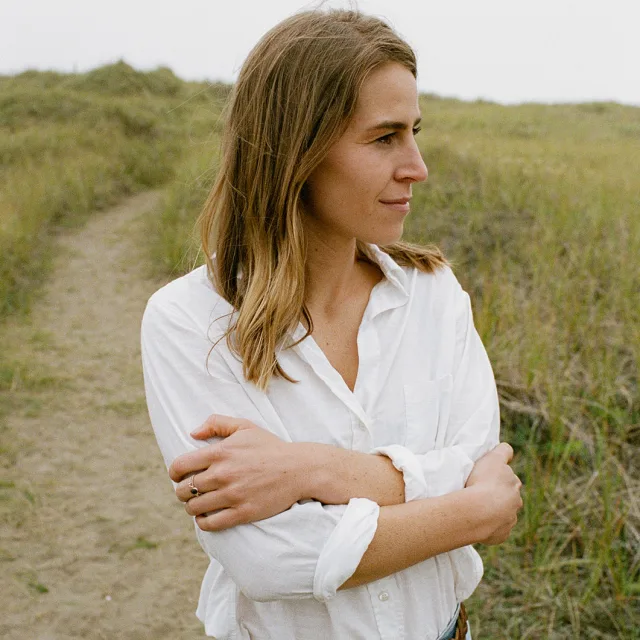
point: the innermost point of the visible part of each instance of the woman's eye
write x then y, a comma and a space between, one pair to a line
389, 137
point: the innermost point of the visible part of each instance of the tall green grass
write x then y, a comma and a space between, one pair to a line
539, 209
173, 233
74, 143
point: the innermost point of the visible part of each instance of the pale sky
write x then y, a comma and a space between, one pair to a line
506, 51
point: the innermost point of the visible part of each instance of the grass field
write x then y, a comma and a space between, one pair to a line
538, 207
74, 143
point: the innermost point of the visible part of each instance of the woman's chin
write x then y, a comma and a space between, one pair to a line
381, 239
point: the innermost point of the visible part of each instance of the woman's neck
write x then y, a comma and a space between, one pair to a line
336, 274
333, 273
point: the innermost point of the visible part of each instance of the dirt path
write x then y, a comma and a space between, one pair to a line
93, 545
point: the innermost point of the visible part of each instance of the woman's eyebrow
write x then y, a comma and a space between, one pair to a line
392, 124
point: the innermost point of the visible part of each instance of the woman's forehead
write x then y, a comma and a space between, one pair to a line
389, 94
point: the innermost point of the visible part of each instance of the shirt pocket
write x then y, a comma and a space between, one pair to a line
427, 406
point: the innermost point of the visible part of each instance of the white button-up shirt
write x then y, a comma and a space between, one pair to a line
425, 396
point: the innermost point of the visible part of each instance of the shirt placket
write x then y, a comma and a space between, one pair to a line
369, 358
364, 391
384, 594
385, 602
312, 353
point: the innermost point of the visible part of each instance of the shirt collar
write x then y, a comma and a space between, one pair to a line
389, 293
392, 271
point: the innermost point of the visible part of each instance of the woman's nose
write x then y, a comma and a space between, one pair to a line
414, 167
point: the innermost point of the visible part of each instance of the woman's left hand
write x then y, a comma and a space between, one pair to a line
249, 475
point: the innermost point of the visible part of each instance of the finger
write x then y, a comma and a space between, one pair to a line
217, 425
203, 483
193, 461
505, 451
224, 519
207, 503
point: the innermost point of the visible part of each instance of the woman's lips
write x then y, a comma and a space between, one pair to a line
397, 205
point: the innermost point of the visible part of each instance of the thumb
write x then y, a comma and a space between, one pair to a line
220, 426
505, 451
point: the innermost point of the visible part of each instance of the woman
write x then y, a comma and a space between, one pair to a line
339, 365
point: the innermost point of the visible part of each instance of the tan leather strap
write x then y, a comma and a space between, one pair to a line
462, 625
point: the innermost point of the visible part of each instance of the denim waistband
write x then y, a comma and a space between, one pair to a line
450, 630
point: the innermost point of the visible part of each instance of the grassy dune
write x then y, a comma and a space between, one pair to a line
539, 209
73, 143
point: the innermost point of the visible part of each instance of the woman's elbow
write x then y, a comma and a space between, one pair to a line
261, 577
262, 587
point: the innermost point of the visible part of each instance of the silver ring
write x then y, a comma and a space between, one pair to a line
192, 487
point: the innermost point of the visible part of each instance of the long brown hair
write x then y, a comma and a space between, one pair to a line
294, 97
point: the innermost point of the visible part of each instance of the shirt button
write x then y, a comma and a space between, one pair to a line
383, 596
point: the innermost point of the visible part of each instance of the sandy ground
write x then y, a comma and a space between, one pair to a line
94, 545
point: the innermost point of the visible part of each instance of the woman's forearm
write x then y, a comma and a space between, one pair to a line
484, 511
412, 532
335, 475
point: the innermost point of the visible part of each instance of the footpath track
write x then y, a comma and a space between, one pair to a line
93, 545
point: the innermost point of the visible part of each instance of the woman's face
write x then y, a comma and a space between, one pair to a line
362, 188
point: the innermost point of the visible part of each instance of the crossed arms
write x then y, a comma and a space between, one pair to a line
302, 519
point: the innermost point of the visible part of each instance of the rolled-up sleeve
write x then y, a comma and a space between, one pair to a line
311, 549
473, 424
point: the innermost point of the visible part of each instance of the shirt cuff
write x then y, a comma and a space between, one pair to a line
415, 485
345, 547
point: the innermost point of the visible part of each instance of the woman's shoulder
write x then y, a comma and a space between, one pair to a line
439, 285
437, 297
190, 297
440, 279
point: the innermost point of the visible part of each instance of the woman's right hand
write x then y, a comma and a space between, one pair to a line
249, 475
499, 488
